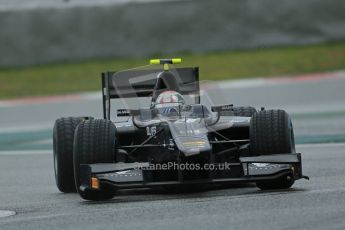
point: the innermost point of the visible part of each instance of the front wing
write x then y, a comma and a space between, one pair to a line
134, 175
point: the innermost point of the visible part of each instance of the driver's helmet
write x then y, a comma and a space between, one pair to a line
168, 102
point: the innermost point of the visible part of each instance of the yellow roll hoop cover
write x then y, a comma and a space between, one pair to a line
165, 61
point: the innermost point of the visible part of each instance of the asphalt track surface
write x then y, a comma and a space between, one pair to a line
318, 110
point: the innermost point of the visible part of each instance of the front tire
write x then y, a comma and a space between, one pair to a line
63, 137
271, 132
94, 142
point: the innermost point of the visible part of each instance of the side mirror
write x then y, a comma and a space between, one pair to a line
123, 113
221, 108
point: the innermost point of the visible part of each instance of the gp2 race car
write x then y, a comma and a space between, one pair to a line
170, 130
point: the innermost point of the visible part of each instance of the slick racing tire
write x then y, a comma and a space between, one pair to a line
271, 132
241, 111
94, 142
63, 136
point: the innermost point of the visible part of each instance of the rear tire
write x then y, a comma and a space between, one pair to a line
94, 142
271, 132
63, 136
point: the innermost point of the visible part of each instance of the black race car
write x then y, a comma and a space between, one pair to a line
160, 134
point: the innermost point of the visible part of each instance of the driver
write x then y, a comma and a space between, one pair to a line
169, 102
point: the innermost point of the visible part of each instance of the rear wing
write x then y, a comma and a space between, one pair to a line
133, 83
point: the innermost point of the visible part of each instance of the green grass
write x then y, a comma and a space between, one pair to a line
61, 78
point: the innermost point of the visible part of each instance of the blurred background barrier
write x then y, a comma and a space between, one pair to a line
66, 31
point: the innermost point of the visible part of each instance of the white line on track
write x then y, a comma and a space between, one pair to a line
27, 128
25, 152
6, 213
321, 145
